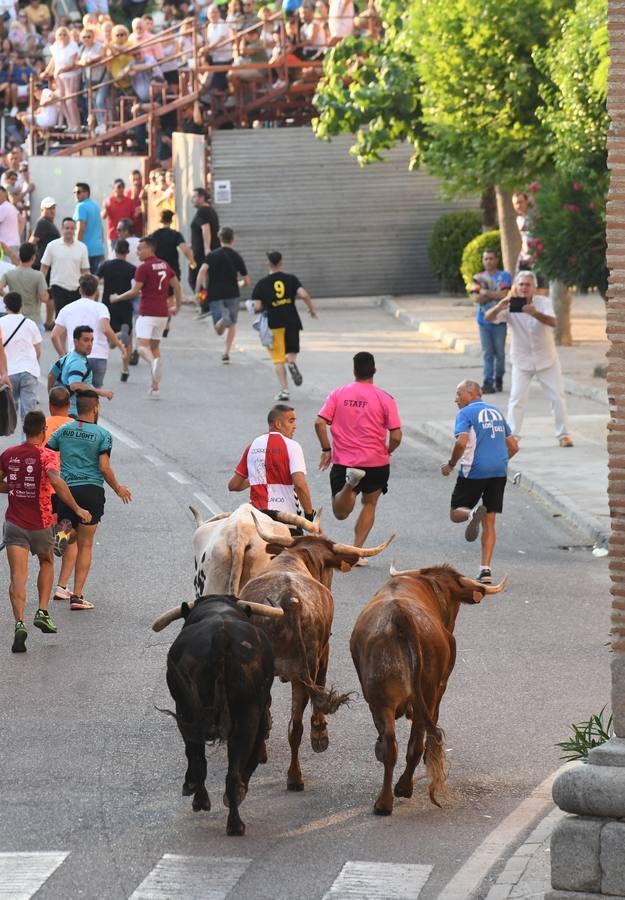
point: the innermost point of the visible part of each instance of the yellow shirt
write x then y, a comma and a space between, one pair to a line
118, 63
39, 15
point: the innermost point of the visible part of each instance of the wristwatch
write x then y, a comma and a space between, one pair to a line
326, 449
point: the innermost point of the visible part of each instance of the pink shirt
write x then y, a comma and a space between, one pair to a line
360, 415
9, 224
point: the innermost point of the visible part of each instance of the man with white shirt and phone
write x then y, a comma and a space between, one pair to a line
21, 342
532, 320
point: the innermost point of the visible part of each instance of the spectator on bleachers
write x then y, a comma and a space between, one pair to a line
250, 17
19, 30
64, 11
66, 77
235, 15
249, 48
218, 47
138, 32
322, 12
133, 9
118, 60
93, 51
8, 9
340, 20
186, 47
268, 28
286, 53
20, 77
38, 14
312, 34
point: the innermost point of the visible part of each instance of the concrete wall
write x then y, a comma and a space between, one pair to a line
343, 229
56, 177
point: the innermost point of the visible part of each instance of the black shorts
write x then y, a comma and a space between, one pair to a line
121, 314
469, 491
90, 497
376, 479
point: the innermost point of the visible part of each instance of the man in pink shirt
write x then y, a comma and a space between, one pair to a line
359, 415
11, 222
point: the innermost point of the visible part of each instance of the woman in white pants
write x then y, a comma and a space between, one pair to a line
531, 320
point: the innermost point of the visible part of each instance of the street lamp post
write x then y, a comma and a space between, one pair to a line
588, 846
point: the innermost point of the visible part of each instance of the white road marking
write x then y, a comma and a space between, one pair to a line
22, 874
120, 435
153, 459
379, 881
468, 879
209, 503
191, 877
179, 477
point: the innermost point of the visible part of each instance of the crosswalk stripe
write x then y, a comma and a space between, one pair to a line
378, 881
191, 877
22, 874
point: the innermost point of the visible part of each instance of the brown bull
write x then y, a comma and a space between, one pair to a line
298, 579
404, 651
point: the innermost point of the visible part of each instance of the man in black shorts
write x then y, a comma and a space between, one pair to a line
222, 274
275, 294
116, 276
85, 449
483, 446
366, 429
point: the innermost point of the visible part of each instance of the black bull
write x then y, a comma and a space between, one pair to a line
219, 673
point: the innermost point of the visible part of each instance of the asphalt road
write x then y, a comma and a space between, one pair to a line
91, 769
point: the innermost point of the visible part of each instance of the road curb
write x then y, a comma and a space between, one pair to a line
436, 434
471, 348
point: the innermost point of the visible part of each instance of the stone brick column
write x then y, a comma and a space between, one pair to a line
588, 847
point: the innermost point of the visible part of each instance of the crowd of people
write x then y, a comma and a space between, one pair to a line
84, 56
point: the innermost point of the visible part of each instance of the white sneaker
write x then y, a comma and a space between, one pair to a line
157, 370
473, 528
154, 394
61, 593
353, 477
13, 112
283, 395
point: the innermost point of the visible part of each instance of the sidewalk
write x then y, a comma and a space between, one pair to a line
573, 481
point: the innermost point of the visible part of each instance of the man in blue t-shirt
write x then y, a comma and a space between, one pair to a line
85, 449
73, 370
483, 446
89, 222
487, 288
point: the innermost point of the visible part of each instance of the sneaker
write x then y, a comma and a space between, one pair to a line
296, 375
488, 388
13, 111
61, 593
19, 640
134, 358
566, 441
62, 536
154, 394
157, 370
353, 477
124, 334
44, 622
203, 314
77, 602
123, 376
220, 326
473, 528
283, 395
225, 359
499, 385
485, 576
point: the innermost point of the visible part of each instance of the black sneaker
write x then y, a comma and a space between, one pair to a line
488, 388
485, 576
296, 375
19, 640
134, 358
499, 385
124, 376
225, 359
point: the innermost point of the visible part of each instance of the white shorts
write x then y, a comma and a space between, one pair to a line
150, 328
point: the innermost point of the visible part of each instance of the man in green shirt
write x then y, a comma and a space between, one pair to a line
31, 285
85, 449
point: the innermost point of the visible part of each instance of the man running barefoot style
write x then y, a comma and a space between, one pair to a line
273, 467
85, 449
28, 474
153, 279
483, 446
360, 416
276, 294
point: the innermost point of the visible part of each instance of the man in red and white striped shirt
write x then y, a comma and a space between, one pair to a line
273, 467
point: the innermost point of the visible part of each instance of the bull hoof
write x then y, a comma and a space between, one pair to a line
403, 789
188, 789
235, 828
201, 802
295, 786
380, 809
262, 754
320, 742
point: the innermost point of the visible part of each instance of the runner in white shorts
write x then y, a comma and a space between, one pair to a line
152, 282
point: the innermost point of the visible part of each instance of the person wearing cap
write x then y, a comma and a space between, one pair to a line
11, 222
117, 206
45, 230
276, 294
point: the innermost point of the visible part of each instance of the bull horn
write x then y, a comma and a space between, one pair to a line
196, 516
200, 521
362, 551
170, 616
271, 538
288, 518
485, 588
395, 572
261, 609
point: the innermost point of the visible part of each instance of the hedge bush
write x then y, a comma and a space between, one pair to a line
450, 235
472, 253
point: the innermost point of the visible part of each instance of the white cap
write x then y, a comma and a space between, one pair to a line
47, 202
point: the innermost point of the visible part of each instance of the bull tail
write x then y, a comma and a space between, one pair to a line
204, 722
434, 755
326, 700
236, 567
